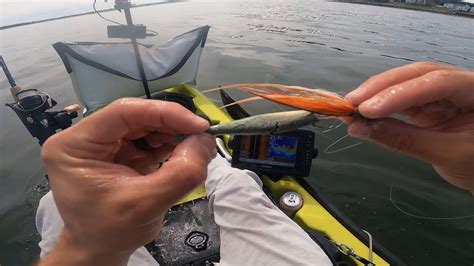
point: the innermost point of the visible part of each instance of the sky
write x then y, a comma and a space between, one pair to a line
16, 11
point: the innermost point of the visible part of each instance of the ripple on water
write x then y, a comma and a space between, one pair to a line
398, 58
272, 28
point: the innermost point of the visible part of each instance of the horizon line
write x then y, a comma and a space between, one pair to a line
82, 14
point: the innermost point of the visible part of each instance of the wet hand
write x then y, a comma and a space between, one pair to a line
438, 102
110, 194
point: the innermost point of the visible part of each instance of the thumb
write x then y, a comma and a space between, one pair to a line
426, 145
185, 169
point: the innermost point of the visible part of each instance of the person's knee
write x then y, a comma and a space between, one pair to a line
48, 223
47, 214
46, 201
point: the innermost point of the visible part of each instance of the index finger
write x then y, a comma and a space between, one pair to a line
455, 86
391, 77
130, 115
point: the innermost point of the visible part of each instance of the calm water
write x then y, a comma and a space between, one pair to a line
335, 46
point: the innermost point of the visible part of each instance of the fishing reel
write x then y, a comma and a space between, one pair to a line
32, 108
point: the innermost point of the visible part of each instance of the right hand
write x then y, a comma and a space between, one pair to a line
438, 101
109, 193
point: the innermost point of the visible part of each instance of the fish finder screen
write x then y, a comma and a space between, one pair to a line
275, 150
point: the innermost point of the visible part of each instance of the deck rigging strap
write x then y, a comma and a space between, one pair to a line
348, 251
128, 17
140, 69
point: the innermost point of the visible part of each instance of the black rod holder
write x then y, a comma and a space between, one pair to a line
125, 6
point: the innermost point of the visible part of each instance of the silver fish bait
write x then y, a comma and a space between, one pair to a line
266, 123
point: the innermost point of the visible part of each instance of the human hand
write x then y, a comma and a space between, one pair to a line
438, 101
109, 193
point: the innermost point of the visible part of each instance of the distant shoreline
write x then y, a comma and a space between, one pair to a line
426, 8
80, 14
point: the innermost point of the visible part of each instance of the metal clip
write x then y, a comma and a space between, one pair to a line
348, 251
371, 252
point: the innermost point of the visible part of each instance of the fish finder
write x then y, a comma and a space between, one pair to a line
275, 155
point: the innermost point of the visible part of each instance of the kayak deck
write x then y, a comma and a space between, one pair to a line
314, 215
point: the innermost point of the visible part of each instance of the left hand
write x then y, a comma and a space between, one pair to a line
110, 194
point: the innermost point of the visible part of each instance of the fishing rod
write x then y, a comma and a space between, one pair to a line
13, 87
32, 108
7, 72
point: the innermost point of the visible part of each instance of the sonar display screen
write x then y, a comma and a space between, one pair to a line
275, 150
282, 148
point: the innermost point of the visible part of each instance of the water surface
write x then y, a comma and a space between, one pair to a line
335, 46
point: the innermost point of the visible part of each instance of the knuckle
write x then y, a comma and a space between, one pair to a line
123, 101
442, 74
425, 64
48, 150
194, 173
126, 102
465, 152
173, 105
402, 143
160, 105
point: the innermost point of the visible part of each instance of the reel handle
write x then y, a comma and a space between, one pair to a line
14, 90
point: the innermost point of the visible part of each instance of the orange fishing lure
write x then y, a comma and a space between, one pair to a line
312, 100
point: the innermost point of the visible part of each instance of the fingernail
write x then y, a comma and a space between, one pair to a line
203, 142
355, 93
360, 130
371, 103
351, 95
208, 143
201, 121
